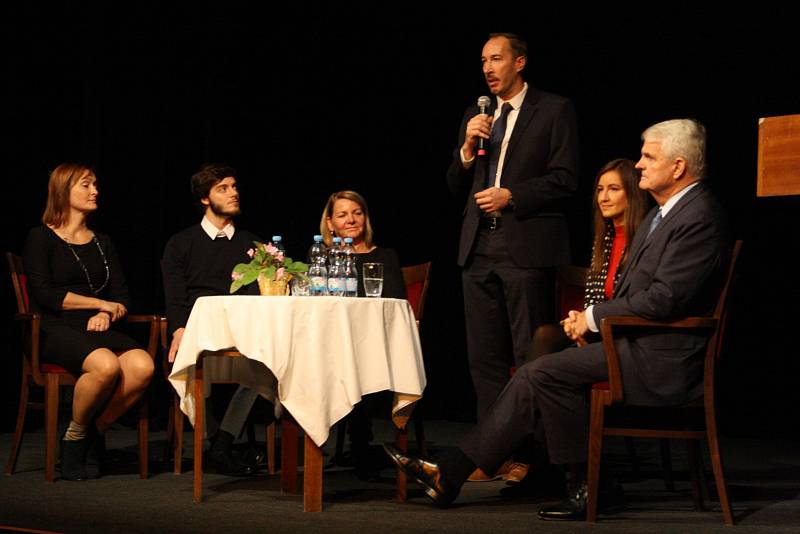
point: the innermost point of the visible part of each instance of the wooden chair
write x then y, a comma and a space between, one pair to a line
176, 418
671, 423
52, 377
416, 278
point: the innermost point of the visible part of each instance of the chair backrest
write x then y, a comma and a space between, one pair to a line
570, 289
714, 349
19, 281
416, 278
721, 309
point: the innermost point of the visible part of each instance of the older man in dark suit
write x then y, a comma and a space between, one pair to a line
514, 230
674, 270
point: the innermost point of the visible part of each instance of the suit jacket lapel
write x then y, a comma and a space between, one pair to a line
526, 112
641, 241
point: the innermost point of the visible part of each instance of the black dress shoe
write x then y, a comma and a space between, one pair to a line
573, 508
224, 463
427, 474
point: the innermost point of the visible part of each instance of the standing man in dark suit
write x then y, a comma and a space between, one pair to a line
514, 230
674, 270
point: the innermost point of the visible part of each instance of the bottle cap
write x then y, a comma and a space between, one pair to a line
277, 238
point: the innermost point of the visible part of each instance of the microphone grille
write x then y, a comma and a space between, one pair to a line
484, 102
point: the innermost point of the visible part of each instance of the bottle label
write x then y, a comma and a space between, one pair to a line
319, 284
335, 285
351, 284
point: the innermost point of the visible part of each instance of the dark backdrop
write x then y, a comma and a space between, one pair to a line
310, 99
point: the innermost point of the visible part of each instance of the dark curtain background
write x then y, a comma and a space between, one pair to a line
313, 98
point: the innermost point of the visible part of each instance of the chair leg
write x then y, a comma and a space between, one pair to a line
177, 449
199, 429
50, 425
666, 464
19, 429
717, 465
596, 423
143, 435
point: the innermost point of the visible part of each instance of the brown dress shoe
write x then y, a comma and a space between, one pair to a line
516, 474
425, 473
479, 475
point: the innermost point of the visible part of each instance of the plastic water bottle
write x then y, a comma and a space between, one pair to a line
318, 250
317, 270
277, 242
336, 280
350, 270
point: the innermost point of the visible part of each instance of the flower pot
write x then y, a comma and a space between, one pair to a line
272, 287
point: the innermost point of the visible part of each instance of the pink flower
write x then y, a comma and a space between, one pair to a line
236, 276
251, 252
280, 273
271, 249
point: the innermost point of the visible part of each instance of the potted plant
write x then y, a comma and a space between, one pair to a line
269, 267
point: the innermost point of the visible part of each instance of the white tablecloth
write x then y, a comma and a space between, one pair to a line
325, 352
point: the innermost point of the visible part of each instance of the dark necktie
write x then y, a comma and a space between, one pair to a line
496, 143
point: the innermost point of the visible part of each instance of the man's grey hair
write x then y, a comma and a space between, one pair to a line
681, 137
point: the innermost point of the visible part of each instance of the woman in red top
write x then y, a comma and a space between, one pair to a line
619, 208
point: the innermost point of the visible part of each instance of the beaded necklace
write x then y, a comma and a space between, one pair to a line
86, 271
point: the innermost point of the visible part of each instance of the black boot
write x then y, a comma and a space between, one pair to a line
220, 458
73, 459
95, 451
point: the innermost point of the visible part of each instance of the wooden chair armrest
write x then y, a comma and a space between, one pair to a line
700, 323
155, 323
142, 318
29, 316
608, 326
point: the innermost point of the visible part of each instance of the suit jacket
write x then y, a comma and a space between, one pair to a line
673, 273
541, 170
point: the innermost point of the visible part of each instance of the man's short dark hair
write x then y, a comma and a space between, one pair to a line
206, 177
518, 45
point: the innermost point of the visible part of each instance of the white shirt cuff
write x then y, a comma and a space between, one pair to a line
590, 319
467, 163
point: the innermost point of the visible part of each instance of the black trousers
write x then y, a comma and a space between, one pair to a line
546, 397
503, 305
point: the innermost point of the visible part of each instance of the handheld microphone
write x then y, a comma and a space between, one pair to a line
483, 105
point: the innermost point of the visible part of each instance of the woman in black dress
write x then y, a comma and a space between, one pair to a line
75, 281
346, 215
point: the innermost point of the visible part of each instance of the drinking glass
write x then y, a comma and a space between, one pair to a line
300, 285
373, 279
